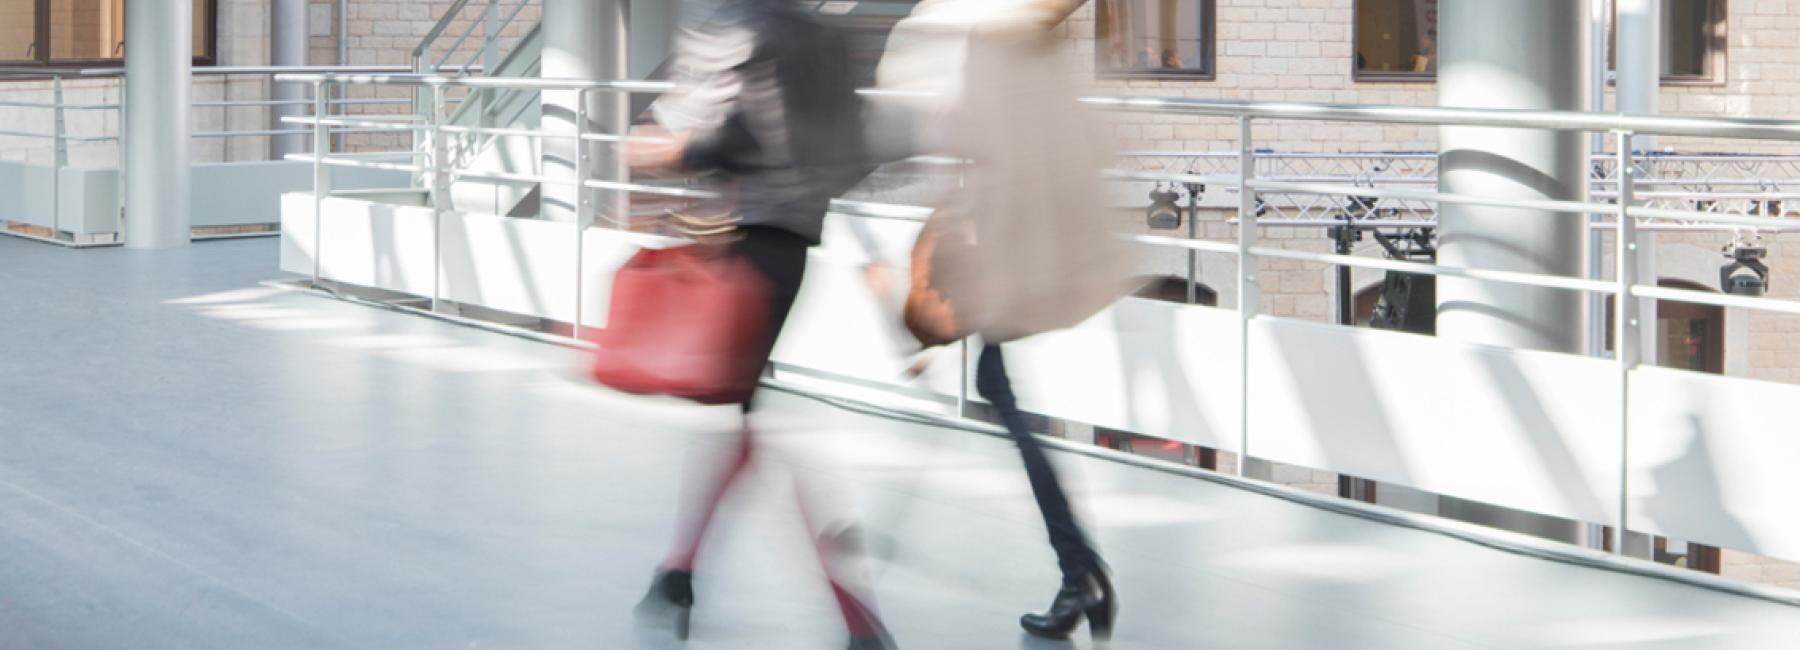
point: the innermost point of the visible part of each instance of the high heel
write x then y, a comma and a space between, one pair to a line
669, 603
866, 630
1090, 597
1100, 617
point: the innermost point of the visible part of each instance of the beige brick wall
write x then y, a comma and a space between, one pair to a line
1301, 50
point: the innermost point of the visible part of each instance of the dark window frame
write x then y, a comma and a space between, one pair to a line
43, 48
1717, 52
1209, 46
1357, 74
1717, 48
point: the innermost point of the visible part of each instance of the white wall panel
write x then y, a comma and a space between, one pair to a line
1713, 459
521, 266
366, 244
1521, 429
1149, 367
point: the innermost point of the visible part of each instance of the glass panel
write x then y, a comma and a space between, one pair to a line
1396, 37
1154, 36
1687, 38
87, 29
18, 30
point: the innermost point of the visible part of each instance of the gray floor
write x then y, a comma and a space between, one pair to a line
188, 460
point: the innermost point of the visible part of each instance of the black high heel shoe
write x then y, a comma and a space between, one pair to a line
669, 604
1092, 597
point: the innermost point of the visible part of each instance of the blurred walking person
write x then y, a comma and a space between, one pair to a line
1023, 248
766, 102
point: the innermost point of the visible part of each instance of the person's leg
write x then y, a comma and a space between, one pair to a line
781, 259
1073, 554
1087, 592
700, 505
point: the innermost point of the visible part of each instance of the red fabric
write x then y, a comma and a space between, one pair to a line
687, 323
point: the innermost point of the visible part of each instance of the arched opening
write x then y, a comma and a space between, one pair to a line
1169, 288
1688, 336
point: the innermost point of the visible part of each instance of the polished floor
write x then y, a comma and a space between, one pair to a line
189, 459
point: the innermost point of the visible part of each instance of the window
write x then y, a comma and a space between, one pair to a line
63, 32
1396, 39
18, 30
1693, 40
1154, 37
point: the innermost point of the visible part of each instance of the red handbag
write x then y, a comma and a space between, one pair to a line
686, 322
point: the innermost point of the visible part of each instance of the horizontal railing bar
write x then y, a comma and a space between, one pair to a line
53, 105
637, 188
661, 190
1202, 245
216, 71
395, 124
379, 154
1717, 299
1230, 180
1715, 127
301, 102
503, 132
607, 137
871, 210
1506, 277
479, 82
26, 134
334, 161
248, 134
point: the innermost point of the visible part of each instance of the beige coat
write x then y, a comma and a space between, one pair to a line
1045, 256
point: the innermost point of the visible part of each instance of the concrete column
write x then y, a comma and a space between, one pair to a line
158, 97
1640, 64
583, 39
289, 42
1483, 64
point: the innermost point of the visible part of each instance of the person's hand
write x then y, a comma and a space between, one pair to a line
655, 147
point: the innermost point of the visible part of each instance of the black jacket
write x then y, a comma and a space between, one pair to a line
769, 91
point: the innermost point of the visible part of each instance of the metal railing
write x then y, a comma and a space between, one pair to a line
60, 136
1623, 212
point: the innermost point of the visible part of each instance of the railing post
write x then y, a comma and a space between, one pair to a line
1249, 291
321, 174
119, 157
584, 200
59, 156
1193, 232
1626, 326
423, 65
440, 191
490, 49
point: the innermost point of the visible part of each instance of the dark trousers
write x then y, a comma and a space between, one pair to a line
1073, 554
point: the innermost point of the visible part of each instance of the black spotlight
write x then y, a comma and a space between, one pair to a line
1746, 275
1163, 213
